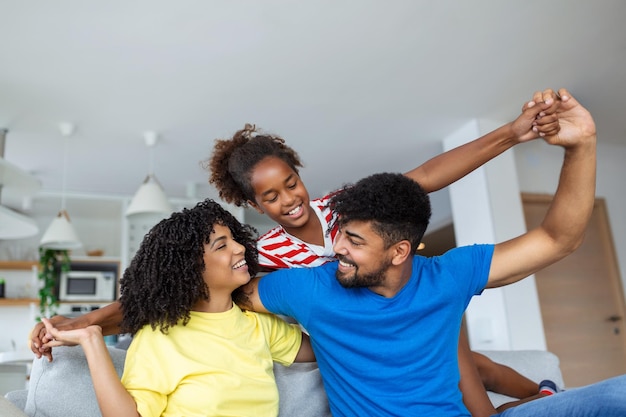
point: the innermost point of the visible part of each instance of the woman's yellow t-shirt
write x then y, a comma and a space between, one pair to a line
219, 364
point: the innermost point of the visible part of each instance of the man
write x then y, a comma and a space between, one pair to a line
384, 323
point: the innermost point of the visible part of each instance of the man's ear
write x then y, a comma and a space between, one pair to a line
401, 251
255, 206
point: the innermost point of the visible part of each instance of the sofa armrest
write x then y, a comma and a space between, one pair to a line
535, 365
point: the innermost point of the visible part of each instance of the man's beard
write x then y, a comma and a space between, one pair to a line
357, 280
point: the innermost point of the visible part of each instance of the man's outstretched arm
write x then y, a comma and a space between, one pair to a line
563, 227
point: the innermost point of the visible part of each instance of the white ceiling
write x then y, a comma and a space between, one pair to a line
356, 86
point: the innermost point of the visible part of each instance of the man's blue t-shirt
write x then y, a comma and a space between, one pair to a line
386, 356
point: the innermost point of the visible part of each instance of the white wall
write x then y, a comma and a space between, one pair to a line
538, 166
16, 323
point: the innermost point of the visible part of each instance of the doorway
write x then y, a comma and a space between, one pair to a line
582, 301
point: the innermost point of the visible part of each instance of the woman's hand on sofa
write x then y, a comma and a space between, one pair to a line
40, 337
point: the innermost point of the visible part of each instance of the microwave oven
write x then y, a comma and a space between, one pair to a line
88, 286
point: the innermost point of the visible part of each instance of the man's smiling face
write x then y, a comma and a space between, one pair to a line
363, 258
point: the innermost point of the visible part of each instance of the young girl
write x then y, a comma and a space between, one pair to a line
259, 170
194, 351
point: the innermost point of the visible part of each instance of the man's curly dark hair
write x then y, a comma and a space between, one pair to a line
233, 159
164, 279
397, 206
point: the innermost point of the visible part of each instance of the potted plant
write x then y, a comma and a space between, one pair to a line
52, 262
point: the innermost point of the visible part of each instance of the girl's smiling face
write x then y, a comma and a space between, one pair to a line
280, 193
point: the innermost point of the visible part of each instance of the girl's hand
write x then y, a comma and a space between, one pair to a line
539, 117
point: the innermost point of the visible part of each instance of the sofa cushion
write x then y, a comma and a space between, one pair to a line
301, 391
63, 387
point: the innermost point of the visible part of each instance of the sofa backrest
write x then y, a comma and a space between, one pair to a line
63, 387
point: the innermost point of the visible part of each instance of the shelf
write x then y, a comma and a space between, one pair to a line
79, 259
18, 264
8, 302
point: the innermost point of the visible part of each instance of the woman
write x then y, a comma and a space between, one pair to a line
194, 350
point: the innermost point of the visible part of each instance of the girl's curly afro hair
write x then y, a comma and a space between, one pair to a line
397, 206
164, 279
233, 159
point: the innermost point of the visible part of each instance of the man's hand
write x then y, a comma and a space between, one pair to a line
539, 117
577, 125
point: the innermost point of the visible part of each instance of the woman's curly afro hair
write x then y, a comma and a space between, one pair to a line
164, 279
233, 159
397, 206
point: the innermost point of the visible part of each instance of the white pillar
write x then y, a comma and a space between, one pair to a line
486, 208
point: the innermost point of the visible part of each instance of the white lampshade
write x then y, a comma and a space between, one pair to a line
14, 225
149, 198
60, 234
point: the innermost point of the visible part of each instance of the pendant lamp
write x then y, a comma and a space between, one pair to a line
61, 235
150, 197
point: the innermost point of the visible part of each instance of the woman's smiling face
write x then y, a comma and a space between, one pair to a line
225, 266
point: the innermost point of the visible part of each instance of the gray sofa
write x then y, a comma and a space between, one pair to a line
63, 387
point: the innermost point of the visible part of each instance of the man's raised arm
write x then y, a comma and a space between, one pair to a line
563, 227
